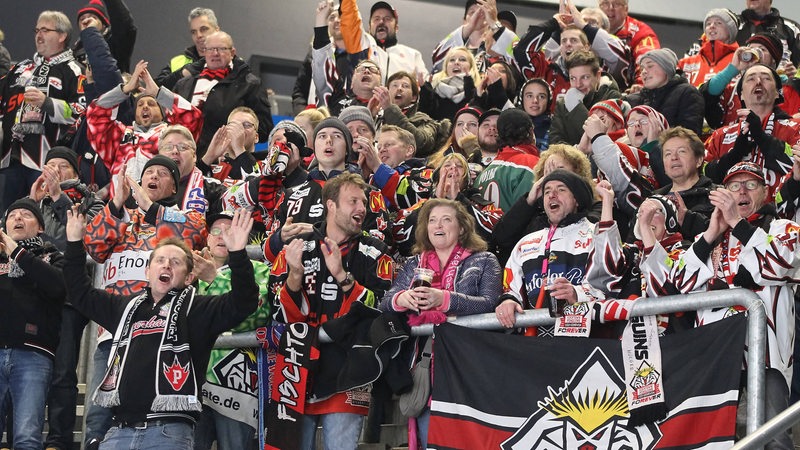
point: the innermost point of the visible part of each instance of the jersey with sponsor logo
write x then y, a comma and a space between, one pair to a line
124, 243
760, 254
779, 161
567, 257
304, 204
321, 299
29, 131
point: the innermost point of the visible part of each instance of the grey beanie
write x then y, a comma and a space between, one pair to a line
665, 58
730, 20
335, 122
289, 125
356, 112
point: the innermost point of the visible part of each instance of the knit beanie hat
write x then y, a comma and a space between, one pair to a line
356, 112
729, 18
65, 153
773, 45
30, 205
580, 189
289, 125
335, 122
670, 212
646, 111
97, 8
613, 107
160, 108
665, 58
172, 166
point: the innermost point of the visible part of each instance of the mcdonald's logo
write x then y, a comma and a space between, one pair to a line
386, 268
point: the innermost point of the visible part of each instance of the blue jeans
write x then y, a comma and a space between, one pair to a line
98, 419
170, 436
25, 374
339, 431
230, 434
63, 395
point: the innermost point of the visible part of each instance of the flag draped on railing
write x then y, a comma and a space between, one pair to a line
500, 391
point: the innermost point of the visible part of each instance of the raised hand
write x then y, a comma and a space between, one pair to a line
139, 194
76, 224
237, 235
8, 244
132, 86
122, 189
204, 268
333, 257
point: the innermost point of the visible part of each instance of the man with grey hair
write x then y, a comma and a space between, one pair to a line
202, 22
41, 97
220, 82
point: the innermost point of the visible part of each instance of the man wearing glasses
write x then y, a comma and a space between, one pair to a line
156, 109
366, 77
746, 246
221, 82
635, 33
39, 99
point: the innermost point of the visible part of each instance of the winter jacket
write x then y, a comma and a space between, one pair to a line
429, 134
117, 143
739, 261
120, 35
208, 315
239, 88
713, 57
30, 304
567, 126
478, 285
678, 101
321, 299
787, 30
173, 71
698, 206
65, 102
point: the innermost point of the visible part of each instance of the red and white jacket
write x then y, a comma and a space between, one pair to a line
117, 143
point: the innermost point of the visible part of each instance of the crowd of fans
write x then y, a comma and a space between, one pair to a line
575, 165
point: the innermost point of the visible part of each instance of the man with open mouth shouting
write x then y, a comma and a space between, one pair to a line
163, 335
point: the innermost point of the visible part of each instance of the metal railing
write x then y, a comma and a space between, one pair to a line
756, 332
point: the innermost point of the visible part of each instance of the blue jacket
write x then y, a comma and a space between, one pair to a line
478, 285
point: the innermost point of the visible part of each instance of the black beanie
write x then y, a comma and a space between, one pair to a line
580, 189
30, 205
63, 153
97, 8
172, 166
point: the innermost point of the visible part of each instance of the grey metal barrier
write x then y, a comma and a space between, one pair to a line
756, 332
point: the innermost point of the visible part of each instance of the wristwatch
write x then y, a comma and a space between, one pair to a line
496, 26
348, 279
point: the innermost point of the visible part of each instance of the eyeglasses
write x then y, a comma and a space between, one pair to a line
736, 186
181, 147
245, 125
42, 30
368, 68
216, 231
640, 122
217, 49
614, 5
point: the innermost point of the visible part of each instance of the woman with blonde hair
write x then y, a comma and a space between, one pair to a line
451, 274
451, 181
452, 88
308, 119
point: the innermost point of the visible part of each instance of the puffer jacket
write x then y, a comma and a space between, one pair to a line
679, 101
